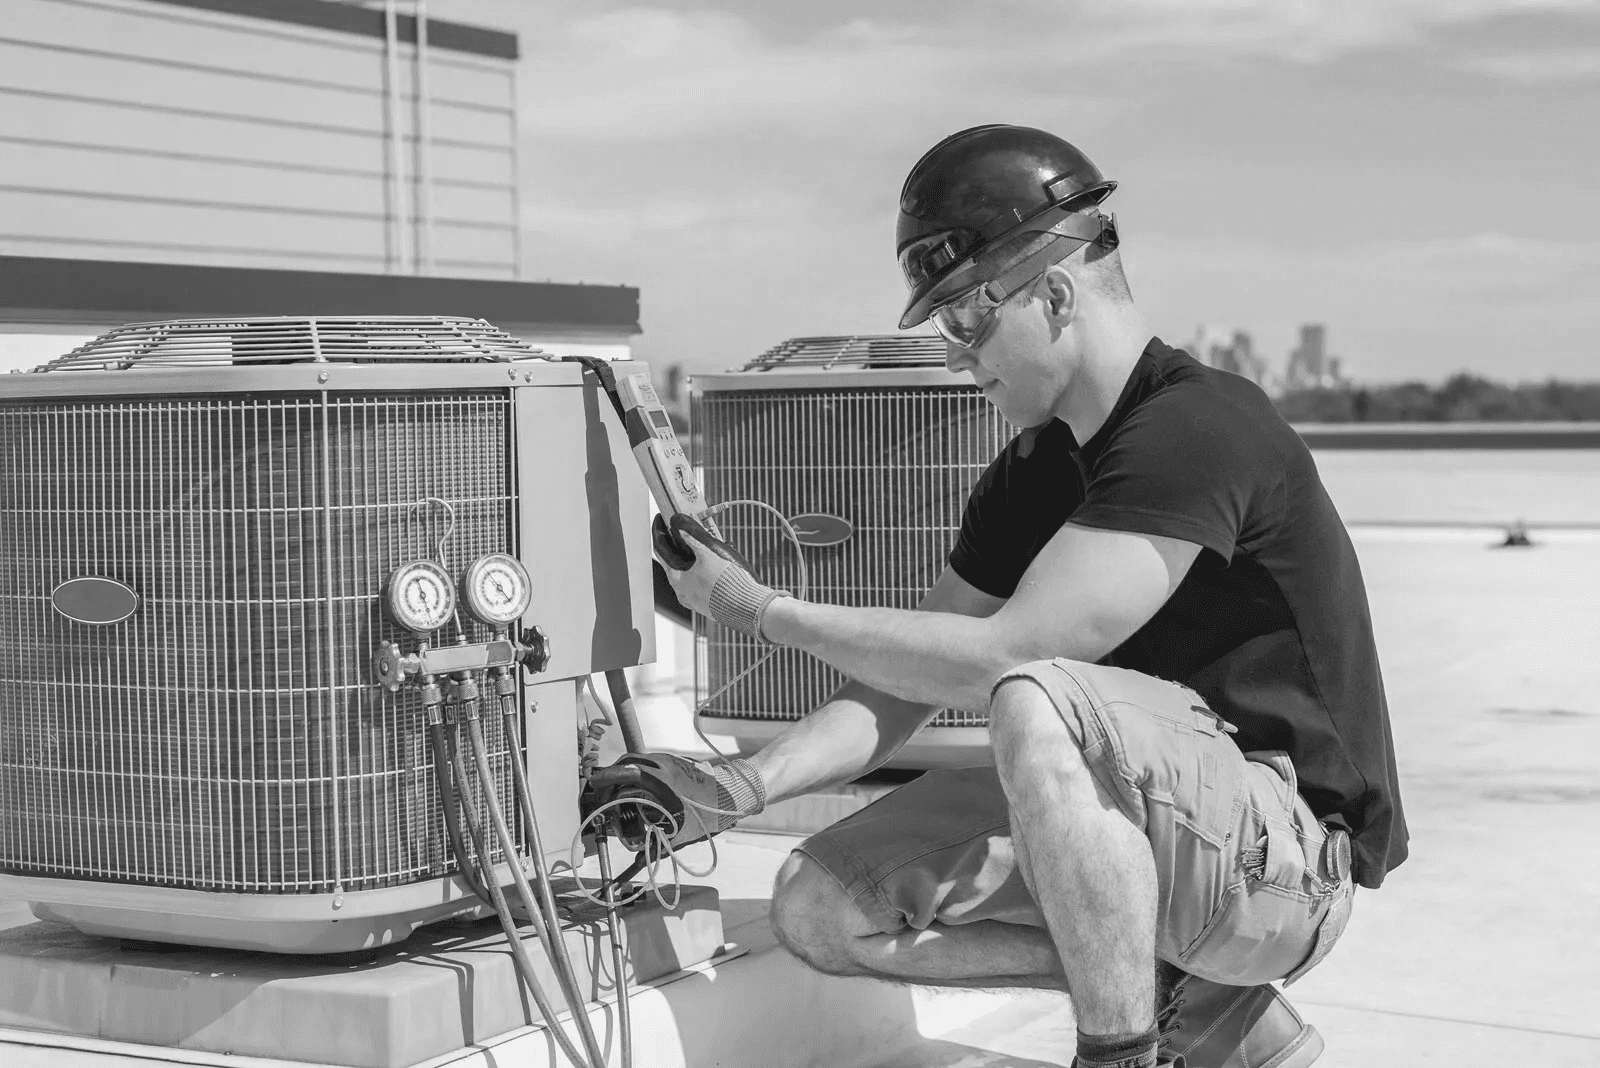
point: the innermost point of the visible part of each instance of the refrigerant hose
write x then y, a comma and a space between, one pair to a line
541, 871
452, 812
519, 952
549, 932
627, 716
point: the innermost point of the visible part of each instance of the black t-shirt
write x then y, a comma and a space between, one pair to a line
1270, 625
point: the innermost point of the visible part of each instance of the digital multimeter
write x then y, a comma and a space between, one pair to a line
665, 465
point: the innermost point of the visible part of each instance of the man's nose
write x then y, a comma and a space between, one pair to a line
956, 358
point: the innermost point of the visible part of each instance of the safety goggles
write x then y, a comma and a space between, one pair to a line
967, 319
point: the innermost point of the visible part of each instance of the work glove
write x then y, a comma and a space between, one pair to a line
710, 578
700, 800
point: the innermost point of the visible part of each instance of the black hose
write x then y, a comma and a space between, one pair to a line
622, 705
618, 964
452, 812
550, 936
547, 900
519, 952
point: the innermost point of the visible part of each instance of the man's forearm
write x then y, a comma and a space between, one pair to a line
853, 733
931, 658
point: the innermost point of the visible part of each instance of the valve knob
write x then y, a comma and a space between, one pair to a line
537, 657
388, 666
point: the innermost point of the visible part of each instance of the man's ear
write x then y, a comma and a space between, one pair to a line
1061, 293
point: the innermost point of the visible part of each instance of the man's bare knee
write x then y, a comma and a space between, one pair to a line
1023, 716
814, 918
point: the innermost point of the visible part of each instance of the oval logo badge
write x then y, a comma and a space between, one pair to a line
94, 600
819, 529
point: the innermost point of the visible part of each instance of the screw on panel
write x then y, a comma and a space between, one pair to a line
322, 376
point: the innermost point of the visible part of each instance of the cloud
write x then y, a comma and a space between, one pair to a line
1552, 66
654, 75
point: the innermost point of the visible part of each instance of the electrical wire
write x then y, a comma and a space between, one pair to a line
657, 845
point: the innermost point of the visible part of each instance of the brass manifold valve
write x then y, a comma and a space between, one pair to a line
421, 597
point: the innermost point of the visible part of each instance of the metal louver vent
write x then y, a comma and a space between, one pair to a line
894, 452
859, 350
341, 339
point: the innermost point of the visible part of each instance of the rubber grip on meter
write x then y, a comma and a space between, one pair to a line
668, 537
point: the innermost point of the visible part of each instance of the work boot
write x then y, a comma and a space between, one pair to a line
1216, 1026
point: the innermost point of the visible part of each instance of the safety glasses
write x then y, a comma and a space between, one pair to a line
967, 319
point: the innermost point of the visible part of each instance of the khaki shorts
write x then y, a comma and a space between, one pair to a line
1247, 892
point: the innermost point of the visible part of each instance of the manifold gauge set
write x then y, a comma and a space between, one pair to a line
421, 596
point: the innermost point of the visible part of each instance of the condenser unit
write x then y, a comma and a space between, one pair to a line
198, 520
870, 447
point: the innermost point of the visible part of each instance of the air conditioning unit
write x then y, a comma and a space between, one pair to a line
872, 431
198, 521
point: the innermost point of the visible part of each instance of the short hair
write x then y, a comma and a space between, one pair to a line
1101, 269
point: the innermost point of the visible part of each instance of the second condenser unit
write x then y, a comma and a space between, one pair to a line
870, 447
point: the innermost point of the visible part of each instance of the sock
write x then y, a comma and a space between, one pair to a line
1132, 1049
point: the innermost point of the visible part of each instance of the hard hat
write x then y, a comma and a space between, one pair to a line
976, 190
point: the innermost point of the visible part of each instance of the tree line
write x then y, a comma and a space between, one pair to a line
1462, 398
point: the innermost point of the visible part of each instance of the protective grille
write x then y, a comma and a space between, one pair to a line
273, 340
228, 736
898, 463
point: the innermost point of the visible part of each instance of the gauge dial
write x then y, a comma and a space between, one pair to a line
421, 596
497, 589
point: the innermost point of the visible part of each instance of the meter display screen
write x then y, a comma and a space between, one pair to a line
659, 417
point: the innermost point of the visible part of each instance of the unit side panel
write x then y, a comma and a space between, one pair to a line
585, 522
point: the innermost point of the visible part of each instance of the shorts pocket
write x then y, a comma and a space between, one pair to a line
1328, 932
1171, 751
1258, 933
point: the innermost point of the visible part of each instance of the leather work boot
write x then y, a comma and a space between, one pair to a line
1214, 1026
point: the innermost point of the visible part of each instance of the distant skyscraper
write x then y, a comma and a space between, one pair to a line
1233, 352
1310, 366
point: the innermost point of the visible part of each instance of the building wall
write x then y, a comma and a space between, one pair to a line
170, 132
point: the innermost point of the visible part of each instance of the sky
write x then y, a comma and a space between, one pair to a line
1419, 175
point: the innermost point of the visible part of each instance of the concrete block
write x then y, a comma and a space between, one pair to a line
451, 986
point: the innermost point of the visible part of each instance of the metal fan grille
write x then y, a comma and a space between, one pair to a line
898, 463
228, 736
333, 339
861, 350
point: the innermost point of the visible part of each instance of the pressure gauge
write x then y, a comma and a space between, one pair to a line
497, 589
421, 596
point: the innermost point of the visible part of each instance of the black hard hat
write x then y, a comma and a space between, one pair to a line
978, 188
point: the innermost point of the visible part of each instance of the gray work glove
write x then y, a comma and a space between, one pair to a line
710, 578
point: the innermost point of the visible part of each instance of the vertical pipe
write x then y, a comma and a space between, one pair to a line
391, 107
424, 147
516, 182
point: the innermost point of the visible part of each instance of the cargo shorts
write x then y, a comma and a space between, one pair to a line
1250, 886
